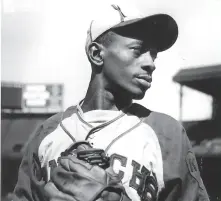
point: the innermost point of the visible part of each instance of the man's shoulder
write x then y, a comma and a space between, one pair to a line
46, 128
163, 120
161, 123
52, 122
169, 131
49, 125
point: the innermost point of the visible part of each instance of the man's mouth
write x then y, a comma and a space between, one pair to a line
144, 80
145, 77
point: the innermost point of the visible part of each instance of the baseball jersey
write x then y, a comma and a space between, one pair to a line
138, 142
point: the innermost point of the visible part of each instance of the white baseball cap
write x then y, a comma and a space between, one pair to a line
160, 29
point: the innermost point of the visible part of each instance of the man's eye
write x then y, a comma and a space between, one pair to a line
136, 50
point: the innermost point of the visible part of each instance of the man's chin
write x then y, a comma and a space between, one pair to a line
135, 94
139, 96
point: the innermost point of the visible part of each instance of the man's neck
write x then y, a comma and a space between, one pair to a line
98, 97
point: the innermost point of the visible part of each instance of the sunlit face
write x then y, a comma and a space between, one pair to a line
128, 65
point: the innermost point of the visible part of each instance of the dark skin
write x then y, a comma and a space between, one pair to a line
121, 71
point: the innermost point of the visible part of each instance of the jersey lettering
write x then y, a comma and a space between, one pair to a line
147, 187
123, 161
136, 175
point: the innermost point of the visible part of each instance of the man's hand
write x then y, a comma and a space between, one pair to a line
77, 180
54, 194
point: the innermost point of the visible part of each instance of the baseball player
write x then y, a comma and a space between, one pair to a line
107, 147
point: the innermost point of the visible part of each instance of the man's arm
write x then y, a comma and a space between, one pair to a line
192, 184
30, 183
181, 174
31, 177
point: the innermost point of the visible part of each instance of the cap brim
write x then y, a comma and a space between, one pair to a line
160, 30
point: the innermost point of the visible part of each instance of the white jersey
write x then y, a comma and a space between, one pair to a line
149, 151
131, 144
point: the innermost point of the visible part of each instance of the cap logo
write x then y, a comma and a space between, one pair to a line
122, 16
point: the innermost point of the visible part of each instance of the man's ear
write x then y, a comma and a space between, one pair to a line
95, 53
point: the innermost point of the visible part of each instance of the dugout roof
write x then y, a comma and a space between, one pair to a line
206, 79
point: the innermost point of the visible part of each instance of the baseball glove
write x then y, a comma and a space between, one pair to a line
83, 174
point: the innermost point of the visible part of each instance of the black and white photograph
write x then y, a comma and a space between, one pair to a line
113, 100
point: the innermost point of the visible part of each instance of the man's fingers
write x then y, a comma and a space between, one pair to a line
53, 194
110, 196
72, 183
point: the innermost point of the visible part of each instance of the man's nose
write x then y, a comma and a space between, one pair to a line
148, 62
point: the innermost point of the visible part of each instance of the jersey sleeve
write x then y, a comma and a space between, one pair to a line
181, 175
30, 175
193, 188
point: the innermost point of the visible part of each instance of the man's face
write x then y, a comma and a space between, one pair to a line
128, 65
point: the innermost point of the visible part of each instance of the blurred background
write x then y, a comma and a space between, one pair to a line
44, 70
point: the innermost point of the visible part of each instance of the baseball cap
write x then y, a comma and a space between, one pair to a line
161, 29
